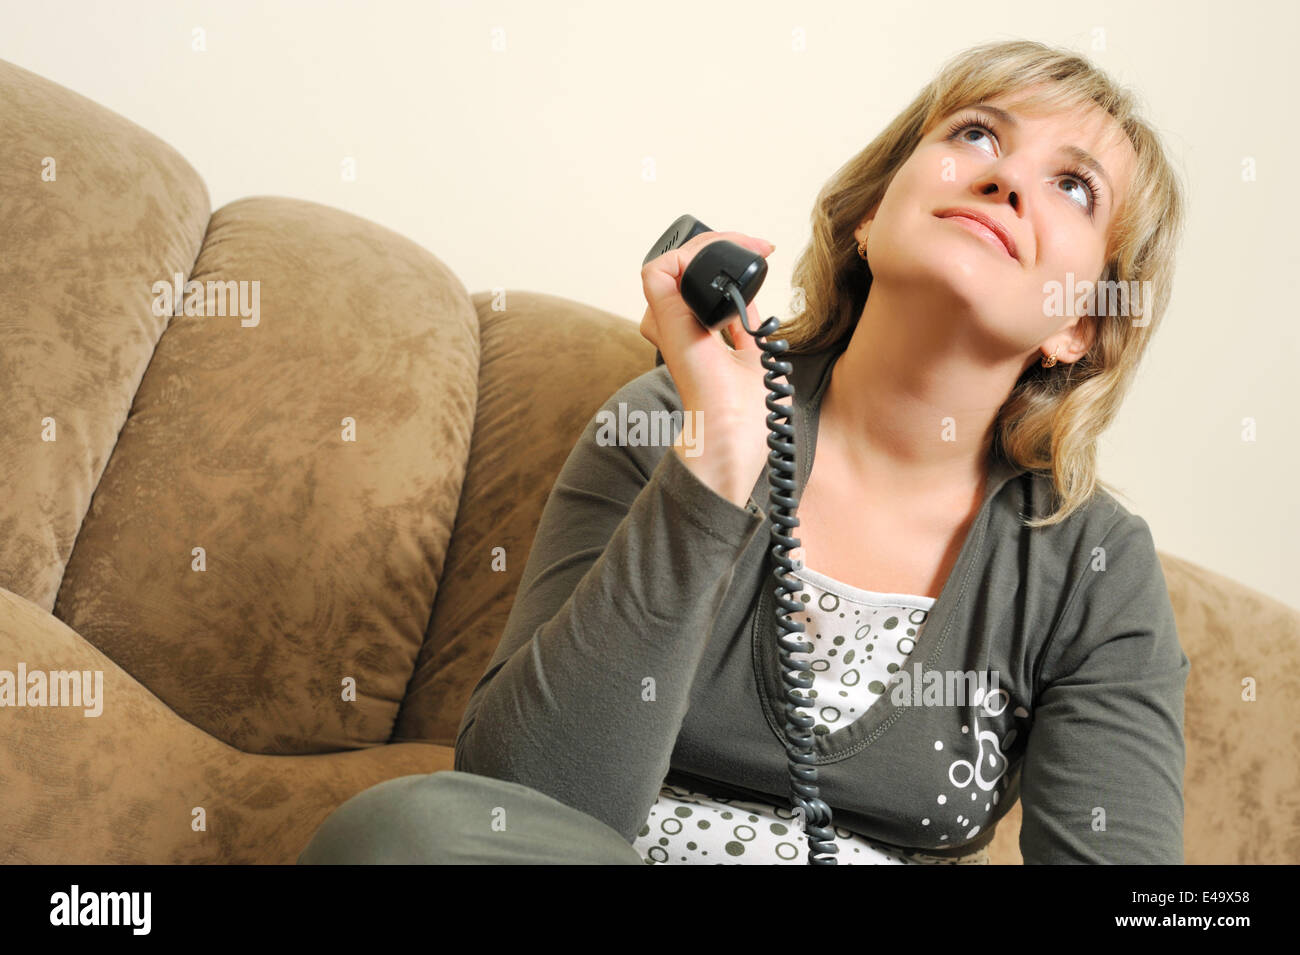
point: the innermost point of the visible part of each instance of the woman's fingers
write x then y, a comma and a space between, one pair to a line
660, 280
648, 329
671, 264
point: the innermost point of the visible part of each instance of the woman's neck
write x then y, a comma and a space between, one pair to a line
909, 406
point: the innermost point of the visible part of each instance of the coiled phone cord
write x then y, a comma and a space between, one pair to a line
804, 792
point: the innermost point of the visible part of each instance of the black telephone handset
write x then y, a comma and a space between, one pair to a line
703, 282
720, 282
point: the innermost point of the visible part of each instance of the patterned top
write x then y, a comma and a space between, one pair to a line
860, 639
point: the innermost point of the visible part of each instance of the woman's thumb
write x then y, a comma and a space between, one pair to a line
740, 338
746, 349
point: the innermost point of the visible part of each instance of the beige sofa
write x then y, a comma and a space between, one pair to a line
271, 530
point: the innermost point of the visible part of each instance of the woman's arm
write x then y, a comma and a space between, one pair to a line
589, 686
1102, 780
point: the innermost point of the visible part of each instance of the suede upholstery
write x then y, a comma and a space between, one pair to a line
276, 540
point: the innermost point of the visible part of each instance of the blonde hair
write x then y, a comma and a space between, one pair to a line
1052, 419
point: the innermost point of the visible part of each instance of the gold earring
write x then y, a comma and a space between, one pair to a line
1049, 362
862, 249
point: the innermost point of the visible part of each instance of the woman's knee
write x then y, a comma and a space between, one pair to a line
402, 820
453, 817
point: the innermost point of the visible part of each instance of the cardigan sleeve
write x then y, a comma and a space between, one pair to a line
1102, 779
589, 686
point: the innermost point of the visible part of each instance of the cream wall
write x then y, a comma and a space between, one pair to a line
512, 140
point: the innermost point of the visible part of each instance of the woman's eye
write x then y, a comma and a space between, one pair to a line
1082, 190
977, 129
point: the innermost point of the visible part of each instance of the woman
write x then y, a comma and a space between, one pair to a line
952, 523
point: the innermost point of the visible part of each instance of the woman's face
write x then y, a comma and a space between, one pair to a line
1018, 170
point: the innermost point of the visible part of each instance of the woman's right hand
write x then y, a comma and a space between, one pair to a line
724, 386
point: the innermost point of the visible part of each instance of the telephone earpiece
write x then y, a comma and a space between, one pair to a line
704, 282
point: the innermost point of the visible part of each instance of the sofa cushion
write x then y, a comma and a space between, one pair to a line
94, 210
315, 456
548, 365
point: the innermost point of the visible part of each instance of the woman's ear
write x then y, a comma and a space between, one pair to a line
864, 226
1074, 342
1085, 335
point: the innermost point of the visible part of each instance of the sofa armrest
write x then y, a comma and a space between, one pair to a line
138, 784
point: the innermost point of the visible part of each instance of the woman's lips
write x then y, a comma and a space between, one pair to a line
979, 229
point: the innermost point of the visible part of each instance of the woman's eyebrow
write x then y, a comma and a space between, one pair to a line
1076, 153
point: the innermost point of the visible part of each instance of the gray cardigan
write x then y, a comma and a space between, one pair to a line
641, 649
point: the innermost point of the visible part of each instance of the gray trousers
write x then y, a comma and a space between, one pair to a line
457, 818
